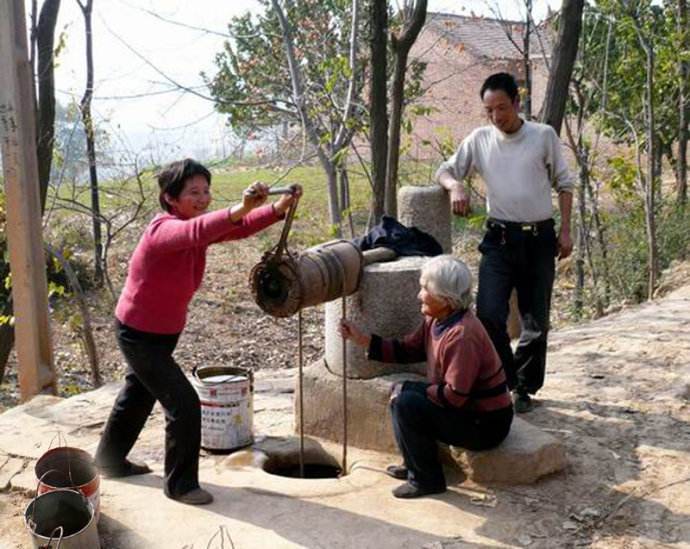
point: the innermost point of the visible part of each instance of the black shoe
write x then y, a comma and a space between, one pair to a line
397, 471
523, 403
198, 496
409, 491
126, 469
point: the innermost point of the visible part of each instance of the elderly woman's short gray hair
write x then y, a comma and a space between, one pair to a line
448, 278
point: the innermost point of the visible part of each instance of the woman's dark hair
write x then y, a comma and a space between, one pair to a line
171, 179
500, 81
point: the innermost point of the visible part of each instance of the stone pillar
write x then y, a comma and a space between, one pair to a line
428, 209
386, 304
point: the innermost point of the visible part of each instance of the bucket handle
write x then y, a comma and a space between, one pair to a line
61, 440
32, 523
223, 531
50, 540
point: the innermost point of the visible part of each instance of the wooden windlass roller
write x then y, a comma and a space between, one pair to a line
283, 283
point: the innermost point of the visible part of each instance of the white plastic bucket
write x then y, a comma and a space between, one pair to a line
227, 407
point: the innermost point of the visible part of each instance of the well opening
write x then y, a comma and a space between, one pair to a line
318, 464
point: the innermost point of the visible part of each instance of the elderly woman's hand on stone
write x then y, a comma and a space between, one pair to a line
349, 330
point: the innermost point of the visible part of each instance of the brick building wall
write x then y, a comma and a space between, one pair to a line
461, 52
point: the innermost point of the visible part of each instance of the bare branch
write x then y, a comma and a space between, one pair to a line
347, 110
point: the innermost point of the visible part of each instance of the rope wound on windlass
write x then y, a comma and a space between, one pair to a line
283, 282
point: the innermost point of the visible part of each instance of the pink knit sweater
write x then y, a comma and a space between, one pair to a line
168, 264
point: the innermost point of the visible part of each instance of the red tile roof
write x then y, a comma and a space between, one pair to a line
484, 36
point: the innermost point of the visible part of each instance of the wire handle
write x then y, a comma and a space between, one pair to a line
49, 545
61, 440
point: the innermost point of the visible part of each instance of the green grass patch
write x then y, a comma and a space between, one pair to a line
312, 222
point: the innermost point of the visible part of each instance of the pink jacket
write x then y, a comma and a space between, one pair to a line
168, 264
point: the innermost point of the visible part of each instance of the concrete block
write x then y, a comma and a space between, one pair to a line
527, 454
368, 415
386, 304
428, 209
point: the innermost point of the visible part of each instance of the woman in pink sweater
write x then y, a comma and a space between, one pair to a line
164, 272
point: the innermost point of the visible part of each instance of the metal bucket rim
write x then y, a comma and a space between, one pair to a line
199, 371
52, 493
88, 458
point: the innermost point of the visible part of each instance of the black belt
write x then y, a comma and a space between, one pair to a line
491, 392
496, 390
533, 227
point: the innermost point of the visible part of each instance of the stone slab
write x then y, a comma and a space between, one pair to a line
9, 468
369, 420
526, 455
25, 480
428, 209
385, 304
255, 509
44, 422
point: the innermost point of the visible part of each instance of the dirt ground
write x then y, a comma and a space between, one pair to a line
617, 395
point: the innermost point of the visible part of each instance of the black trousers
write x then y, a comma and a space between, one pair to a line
419, 424
521, 257
153, 376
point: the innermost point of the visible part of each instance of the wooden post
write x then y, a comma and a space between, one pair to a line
25, 242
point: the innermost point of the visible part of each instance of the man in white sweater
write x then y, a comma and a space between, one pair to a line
520, 162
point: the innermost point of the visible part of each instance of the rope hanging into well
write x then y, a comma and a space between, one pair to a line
284, 283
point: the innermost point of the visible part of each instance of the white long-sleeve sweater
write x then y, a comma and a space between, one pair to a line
519, 169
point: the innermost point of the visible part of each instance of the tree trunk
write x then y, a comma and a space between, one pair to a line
583, 162
44, 35
401, 49
345, 198
649, 188
683, 105
45, 40
6, 339
87, 120
378, 113
564, 54
397, 98
603, 247
332, 186
527, 103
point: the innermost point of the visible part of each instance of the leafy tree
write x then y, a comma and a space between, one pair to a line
258, 85
255, 85
627, 82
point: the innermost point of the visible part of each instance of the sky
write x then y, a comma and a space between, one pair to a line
138, 51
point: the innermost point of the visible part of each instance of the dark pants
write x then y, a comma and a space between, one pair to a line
419, 424
153, 375
513, 257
